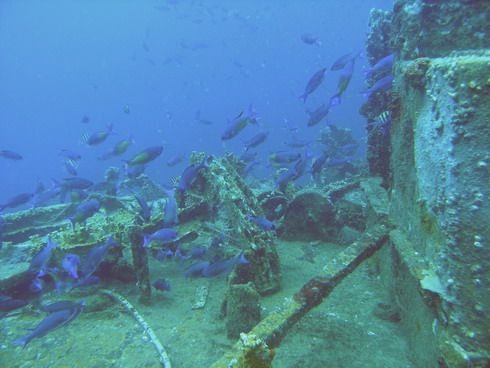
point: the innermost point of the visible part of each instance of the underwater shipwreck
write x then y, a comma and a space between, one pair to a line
414, 218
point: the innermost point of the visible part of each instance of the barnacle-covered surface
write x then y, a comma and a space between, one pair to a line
429, 28
438, 180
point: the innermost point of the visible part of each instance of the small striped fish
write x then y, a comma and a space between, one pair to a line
85, 137
383, 119
380, 122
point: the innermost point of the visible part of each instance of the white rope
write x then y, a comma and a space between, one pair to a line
164, 359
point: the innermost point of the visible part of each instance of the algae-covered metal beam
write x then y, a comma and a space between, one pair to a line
253, 349
140, 262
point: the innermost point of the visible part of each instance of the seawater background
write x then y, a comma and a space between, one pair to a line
62, 60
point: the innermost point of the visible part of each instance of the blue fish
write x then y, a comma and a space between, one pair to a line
285, 177
77, 195
195, 269
297, 143
162, 285
17, 201
248, 156
171, 209
344, 80
190, 173
309, 39
318, 115
163, 236
47, 196
122, 146
239, 123
195, 253
41, 259
59, 306
382, 85
341, 62
163, 255
95, 257
10, 155
145, 156
261, 222
85, 283
98, 137
84, 211
9, 304
300, 166
70, 264
284, 157
69, 155
250, 166
335, 161
36, 285
383, 64
223, 267
105, 187
145, 210
256, 140
176, 160
50, 323
74, 183
317, 166
133, 172
313, 84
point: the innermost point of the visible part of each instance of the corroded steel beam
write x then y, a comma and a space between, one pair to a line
254, 349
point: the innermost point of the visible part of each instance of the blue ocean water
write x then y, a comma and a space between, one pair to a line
165, 61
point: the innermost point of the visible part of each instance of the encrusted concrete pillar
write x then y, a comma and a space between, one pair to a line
242, 309
439, 266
